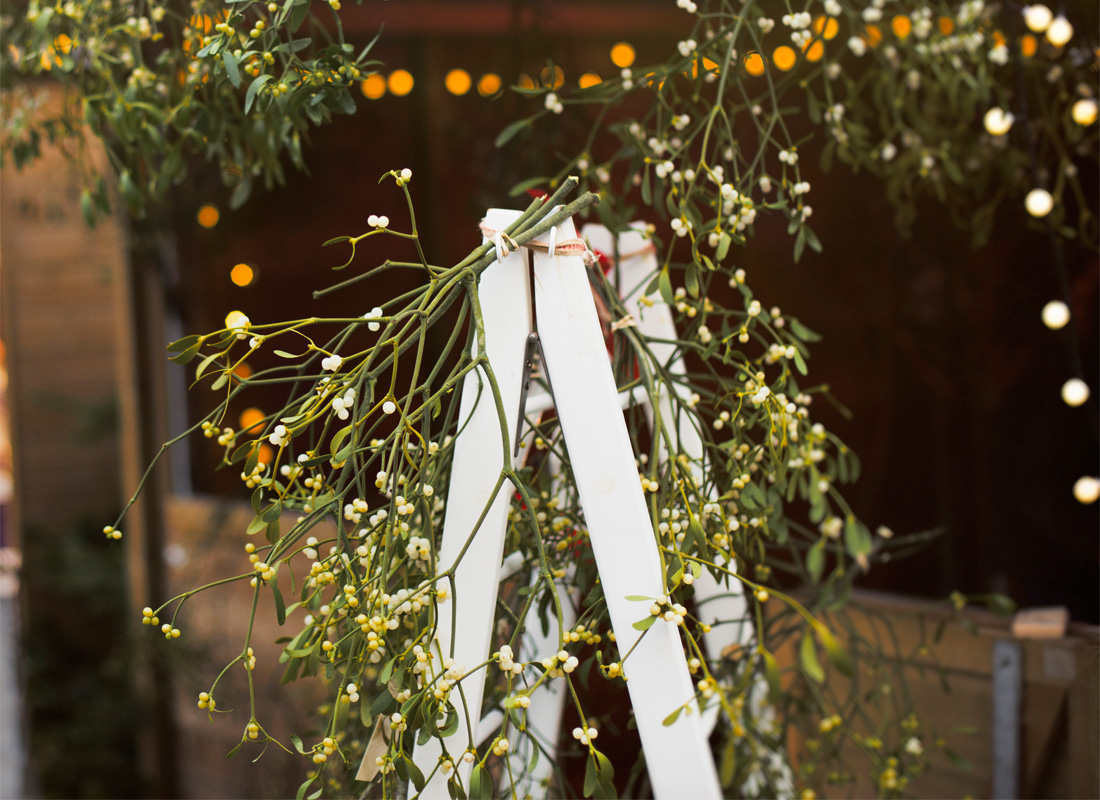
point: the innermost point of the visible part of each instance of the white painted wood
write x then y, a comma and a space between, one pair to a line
722, 603
478, 460
620, 530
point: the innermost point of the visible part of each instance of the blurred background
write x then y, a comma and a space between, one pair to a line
947, 384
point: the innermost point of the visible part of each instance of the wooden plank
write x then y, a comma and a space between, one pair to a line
619, 525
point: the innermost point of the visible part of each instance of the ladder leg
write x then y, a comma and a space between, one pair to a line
680, 763
478, 460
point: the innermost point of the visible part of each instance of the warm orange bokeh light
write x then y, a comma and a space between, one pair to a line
589, 79
458, 81
243, 371
400, 82
1028, 45
783, 57
266, 454
525, 81
552, 79
373, 86
242, 274
208, 215
873, 35
622, 55
826, 27
754, 64
489, 84
901, 25
816, 50
947, 26
251, 420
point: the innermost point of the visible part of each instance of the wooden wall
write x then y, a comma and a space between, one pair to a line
60, 307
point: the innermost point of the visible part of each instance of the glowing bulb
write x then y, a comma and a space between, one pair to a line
458, 81
1055, 315
622, 54
1037, 17
1060, 32
208, 215
1085, 111
1075, 392
1039, 203
242, 274
998, 121
1087, 489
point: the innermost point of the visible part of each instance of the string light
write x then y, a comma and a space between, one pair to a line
242, 274
783, 57
400, 82
998, 121
1060, 32
1075, 392
622, 55
489, 84
458, 81
1055, 315
1038, 17
1039, 203
1084, 111
373, 86
1087, 489
208, 216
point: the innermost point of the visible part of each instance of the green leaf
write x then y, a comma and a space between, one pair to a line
220, 381
723, 247
253, 88
802, 332
231, 69
645, 624
454, 788
185, 356
771, 673
808, 656
387, 671
634, 598
691, 279
383, 704
280, 604
302, 789
241, 453
671, 718
293, 46
338, 439
815, 560
838, 656
511, 131
415, 775
799, 244
297, 744
665, 285
201, 368
799, 362
257, 524
728, 765
857, 539
481, 784
591, 775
